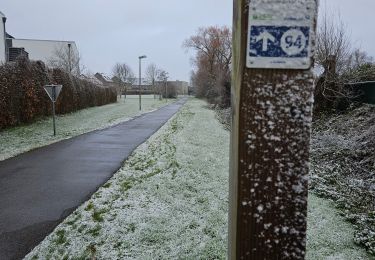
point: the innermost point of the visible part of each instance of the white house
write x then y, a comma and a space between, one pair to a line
43, 50
2, 38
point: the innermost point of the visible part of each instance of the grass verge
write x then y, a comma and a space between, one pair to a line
170, 201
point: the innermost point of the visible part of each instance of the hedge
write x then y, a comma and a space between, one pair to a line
23, 99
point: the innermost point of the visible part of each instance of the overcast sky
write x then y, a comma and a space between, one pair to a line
110, 31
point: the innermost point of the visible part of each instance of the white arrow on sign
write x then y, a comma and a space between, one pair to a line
53, 91
265, 37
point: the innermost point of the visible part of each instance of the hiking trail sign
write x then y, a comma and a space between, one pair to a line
53, 92
278, 36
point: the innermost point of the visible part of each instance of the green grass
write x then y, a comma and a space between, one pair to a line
329, 236
61, 238
107, 185
126, 185
97, 215
95, 231
89, 206
151, 215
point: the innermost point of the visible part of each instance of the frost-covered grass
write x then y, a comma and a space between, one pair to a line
343, 168
16, 140
170, 201
329, 236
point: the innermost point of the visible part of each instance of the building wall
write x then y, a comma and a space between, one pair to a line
43, 49
2, 39
182, 87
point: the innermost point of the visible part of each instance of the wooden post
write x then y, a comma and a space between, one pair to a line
272, 102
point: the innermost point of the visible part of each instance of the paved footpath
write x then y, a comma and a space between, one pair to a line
38, 189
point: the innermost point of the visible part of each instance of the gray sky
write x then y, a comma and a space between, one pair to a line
110, 31
358, 16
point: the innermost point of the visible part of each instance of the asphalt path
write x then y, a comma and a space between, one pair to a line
40, 188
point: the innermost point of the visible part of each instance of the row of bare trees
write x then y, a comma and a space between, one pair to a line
70, 61
213, 56
157, 78
338, 61
124, 78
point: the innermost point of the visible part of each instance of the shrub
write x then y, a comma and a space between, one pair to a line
23, 99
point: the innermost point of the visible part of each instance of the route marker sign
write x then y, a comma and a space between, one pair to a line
272, 100
280, 37
53, 91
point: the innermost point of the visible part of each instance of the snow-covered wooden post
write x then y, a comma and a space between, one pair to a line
272, 97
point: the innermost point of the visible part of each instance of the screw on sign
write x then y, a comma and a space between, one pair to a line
53, 92
272, 98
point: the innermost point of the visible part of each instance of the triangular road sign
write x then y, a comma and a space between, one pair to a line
53, 91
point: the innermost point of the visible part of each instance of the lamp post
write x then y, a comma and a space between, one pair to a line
6, 57
69, 58
140, 94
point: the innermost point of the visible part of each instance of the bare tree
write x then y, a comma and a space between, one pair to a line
341, 63
123, 76
67, 59
151, 76
163, 81
213, 46
333, 41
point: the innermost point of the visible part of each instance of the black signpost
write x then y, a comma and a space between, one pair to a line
53, 92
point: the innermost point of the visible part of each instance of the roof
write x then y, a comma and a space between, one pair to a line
103, 78
92, 79
107, 78
40, 40
9, 36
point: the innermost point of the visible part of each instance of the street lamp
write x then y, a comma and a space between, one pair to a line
69, 57
140, 94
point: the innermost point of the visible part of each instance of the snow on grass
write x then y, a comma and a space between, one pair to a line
170, 201
343, 167
16, 140
329, 236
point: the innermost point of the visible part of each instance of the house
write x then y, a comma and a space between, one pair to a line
177, 87
105, 80
35, 49
92, 79
3, 51
145, 84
